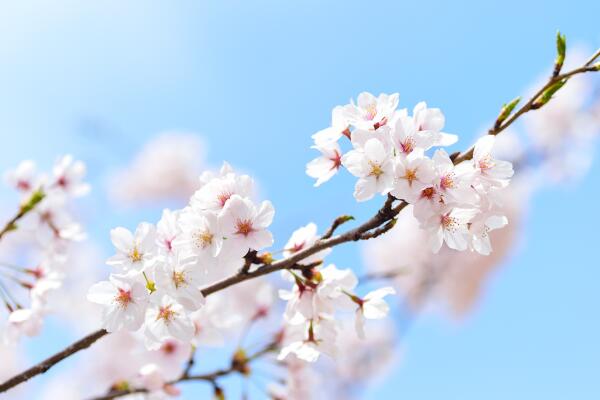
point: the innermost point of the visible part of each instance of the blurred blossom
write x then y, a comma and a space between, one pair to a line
166, 168
564, 130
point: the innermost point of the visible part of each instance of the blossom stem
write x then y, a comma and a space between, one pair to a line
35, 198
211, 377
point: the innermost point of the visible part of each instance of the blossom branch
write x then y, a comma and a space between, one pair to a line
239, 364
380, 223
35, 198
538, 100
51, 361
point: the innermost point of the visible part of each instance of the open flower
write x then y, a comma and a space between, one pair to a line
491, 171
339, 126
245, 226
134, 251
431, 122
480, 228
372, 306
412, 174
301, 239
180, 277
167, 319
68, 177
200, 233
450, 226
374, 168
124, 299
371, 112
323, 168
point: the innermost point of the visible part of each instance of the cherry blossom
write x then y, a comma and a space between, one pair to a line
134, 251
373, 167
323, 168
166, 318
245, 225
303, 238
371, 112
339, 127
372, 306
451, 227
68, 177
124, 299
24, 177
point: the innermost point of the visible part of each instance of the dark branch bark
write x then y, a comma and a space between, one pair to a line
51, 361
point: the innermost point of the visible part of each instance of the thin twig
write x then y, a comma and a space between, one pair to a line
531, 104
211, 377
51, 361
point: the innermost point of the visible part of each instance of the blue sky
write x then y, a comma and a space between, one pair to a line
257, 78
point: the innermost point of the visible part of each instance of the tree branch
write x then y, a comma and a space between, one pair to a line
237, 366
51, 361
369, 229
534, 102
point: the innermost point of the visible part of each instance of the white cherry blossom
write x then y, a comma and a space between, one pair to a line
245, 226
134, 251
124, 299
167, 319
371, 112
450, 226
323, 168
374, 168
339, 126
372, 306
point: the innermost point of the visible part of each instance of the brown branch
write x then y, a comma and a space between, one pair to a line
385, 214
51, 361
534, 102
336, 224
237, 366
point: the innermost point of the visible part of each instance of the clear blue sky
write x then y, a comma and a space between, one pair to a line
257, 78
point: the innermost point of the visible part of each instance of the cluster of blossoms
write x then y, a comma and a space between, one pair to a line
161, 269
455, 204
40, 237
317, 294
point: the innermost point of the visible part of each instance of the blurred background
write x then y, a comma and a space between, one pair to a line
142, 91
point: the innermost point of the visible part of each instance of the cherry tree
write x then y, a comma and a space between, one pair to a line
198, 274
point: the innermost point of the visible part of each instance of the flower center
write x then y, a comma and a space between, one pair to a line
449, 223
166, 314
407, 145
135, 255
410, 175
296, 247
337, 160
376, 170
203, 239
223, 197
169, 347
23, 185
371, 111
244, 227
179, 279
447, 181
62, 182
486, 163
428, 193
123, 297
